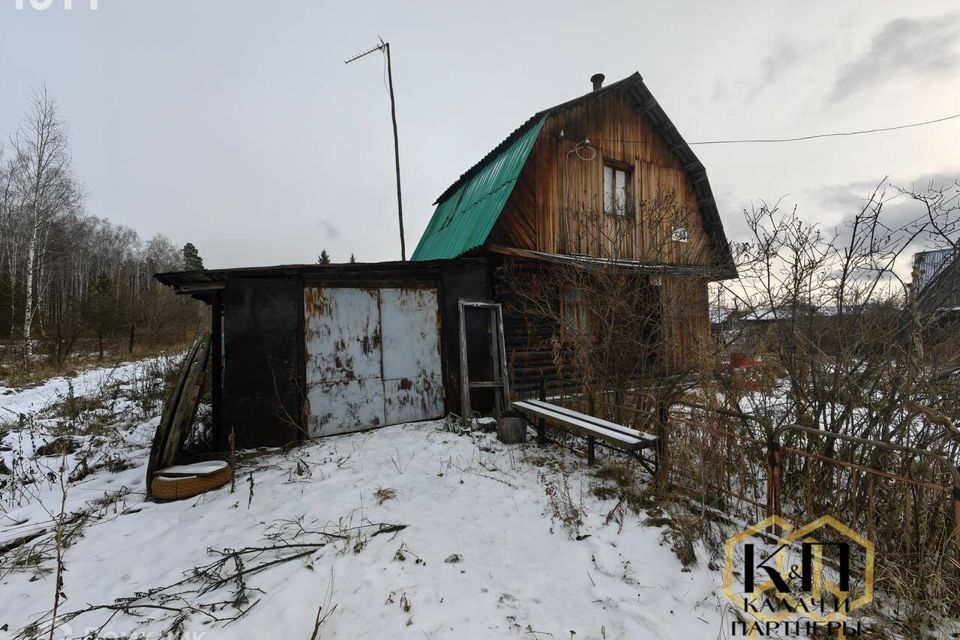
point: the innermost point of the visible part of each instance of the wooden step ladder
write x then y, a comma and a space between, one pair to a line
500, 382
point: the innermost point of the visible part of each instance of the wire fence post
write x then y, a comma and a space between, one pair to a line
661, 461
774, 479
541, 424
956, 520
908, 521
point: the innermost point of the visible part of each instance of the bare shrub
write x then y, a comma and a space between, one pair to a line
839, 341
562, 505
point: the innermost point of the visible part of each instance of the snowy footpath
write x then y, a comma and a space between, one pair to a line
411, 531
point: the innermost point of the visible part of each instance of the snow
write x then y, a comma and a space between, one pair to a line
520, 572
31, 400
195, 469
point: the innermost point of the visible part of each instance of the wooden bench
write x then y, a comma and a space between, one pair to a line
593, 429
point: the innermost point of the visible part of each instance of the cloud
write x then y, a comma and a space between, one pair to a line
840, 202
333, 233
905, 47
773, 67
774, 64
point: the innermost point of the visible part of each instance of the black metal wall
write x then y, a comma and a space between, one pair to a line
468, 279
263, 355
262, 399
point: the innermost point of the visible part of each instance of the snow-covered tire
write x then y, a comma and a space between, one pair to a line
186, 481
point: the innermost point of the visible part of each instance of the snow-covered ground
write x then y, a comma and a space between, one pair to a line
34, 399
411, 531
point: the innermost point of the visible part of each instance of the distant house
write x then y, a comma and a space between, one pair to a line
312, 350
936, 282
745, 331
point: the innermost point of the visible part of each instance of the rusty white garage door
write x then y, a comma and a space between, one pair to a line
372, 358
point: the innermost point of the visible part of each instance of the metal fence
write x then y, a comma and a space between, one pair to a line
906, 500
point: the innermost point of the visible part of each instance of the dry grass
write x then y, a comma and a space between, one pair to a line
14, 374
562, 506
383, 494
619, 479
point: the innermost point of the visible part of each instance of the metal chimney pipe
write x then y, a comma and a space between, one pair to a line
597, 80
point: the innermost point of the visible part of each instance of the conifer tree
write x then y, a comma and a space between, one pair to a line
191, 258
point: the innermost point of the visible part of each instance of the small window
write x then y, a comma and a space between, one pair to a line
573, 312
616, 189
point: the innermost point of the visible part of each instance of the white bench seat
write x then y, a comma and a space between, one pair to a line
609, 433
606, 424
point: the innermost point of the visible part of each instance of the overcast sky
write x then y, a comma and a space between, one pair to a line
235, 125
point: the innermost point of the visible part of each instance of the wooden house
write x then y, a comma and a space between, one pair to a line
604, 178
311, 350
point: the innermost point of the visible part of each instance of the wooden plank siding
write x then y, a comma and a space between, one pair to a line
555, 183
685, 322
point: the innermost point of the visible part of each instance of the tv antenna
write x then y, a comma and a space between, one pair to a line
385, 48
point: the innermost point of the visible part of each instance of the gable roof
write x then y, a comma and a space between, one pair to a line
469, 208
937, 279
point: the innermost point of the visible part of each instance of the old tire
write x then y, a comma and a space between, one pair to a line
186, 481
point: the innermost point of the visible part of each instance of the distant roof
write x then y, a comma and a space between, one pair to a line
773, 314
937, 279
468, 209
929, 264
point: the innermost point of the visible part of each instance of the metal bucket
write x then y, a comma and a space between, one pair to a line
512, 429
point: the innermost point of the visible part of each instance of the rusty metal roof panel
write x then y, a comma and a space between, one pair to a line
465, 216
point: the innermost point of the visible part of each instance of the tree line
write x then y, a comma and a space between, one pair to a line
71, 282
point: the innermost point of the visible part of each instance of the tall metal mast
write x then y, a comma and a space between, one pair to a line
385, 48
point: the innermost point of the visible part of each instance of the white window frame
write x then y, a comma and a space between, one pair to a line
617, 189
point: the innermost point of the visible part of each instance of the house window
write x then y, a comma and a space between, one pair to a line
616, 189
573, 313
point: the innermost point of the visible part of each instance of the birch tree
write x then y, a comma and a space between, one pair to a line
43, 191
8, 254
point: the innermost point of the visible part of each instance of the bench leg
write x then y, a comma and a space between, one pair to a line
541, 424
651, 469
591, 447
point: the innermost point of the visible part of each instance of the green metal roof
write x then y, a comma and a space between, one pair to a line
465, 216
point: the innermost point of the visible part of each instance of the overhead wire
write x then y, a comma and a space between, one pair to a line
806, 137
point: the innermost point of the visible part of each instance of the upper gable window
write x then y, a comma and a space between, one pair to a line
617, 182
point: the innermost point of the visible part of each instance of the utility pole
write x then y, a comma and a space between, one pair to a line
385, 48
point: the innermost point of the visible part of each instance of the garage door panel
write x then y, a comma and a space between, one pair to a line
342, 407
411, 334
409, 400
342, 334
373, 357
